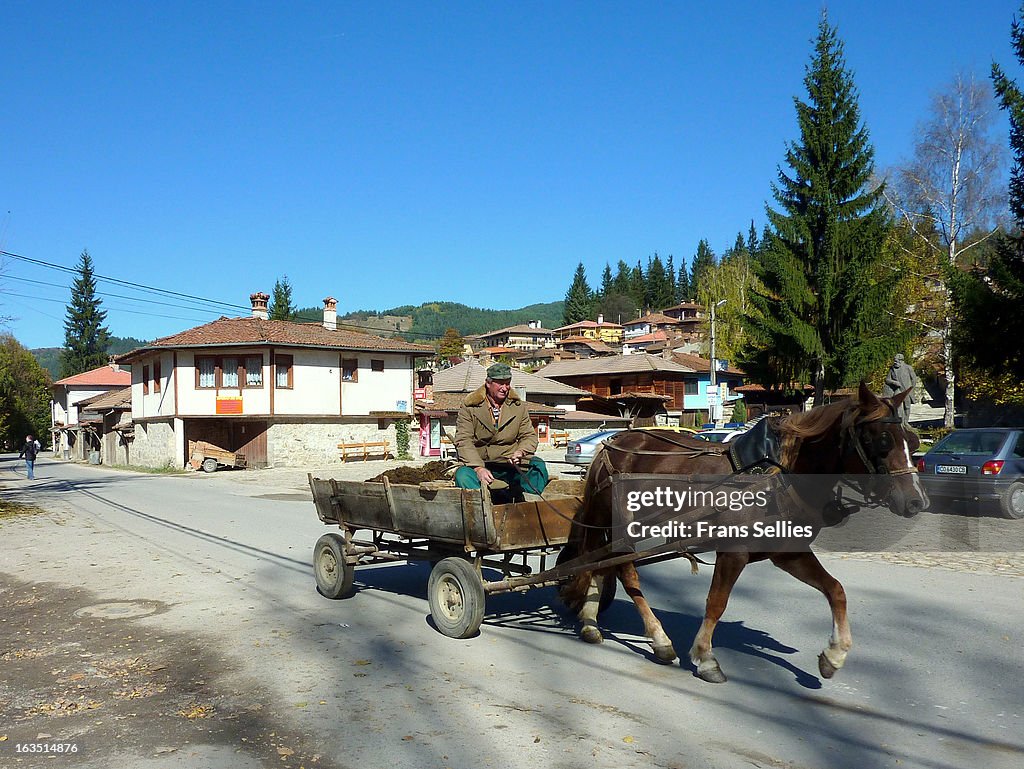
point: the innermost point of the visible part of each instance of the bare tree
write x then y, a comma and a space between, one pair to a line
951, 197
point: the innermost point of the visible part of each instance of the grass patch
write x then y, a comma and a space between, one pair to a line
11, 509
166, 469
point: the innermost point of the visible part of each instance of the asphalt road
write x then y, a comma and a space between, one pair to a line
173, 622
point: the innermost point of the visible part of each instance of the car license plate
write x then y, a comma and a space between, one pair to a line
951, 469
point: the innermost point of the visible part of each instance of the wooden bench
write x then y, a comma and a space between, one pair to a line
363, 449
559, 439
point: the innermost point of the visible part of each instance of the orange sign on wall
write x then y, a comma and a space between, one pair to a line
229, 405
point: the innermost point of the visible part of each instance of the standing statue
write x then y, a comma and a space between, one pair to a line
901, 377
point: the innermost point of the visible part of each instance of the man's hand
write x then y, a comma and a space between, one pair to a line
517, 457
484, 475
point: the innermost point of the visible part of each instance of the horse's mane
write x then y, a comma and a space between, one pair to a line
816, 422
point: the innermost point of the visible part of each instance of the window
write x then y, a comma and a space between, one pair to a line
229, 372
145, 380
349, 370
254, 371
1018, 450
690, 387
225, 372
283, 368
206, 372
376, 365
156, 375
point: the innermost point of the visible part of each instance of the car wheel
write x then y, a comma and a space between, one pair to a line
1012, 503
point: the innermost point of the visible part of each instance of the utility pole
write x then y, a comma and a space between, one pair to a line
711, 409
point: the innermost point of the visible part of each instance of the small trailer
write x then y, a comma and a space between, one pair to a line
460, 531
209, 458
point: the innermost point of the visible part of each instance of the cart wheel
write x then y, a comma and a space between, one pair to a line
1012, 503
608, 587
456, 597
333, 573
209, 465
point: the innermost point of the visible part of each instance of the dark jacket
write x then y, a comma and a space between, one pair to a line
479, 441
29, 451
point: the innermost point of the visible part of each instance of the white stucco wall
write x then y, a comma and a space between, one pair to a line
316, 380
67, 412
154, 403
379, 390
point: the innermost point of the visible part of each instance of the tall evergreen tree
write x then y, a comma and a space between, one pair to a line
825, 308
683, 291
703, 260
753, 242
606, 280
657, 285
281, 307
994, 301
579, 299
85, 337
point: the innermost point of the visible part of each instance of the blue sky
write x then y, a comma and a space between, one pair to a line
397, 153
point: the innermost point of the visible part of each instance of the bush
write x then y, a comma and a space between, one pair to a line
739, 411
402, 439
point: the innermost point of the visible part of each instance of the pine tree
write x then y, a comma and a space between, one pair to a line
281, 307
606, 280
658, 285
995, 300
85, 337
824, 309
702, 260
684, 292
753, 242
579, 299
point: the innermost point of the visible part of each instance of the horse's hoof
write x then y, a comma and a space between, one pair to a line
826, 668
666, 654
591, 635
713, 675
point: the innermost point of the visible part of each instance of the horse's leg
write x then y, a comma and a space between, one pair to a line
630, 580
807, 568
728, 567
589, 631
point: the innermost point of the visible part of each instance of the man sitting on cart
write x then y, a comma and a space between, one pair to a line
495, 438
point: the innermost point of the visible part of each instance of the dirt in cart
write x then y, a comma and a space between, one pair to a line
431, 471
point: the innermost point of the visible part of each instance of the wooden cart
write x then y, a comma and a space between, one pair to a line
209, 457
459, 530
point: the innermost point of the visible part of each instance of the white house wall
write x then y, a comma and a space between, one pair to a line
315, 378
385, 390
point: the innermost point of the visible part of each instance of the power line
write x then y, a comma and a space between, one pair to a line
117, 309
426, 336
127, 283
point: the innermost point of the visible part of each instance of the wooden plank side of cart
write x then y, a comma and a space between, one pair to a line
449, 515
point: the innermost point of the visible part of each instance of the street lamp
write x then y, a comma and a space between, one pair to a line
714, 306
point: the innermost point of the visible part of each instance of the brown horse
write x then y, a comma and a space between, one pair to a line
859, 436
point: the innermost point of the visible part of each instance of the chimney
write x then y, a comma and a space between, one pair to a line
600, 319
114, 365
535, 324
259, 304
331, 313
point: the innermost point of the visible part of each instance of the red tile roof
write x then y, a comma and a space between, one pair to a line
654, 318
104, 376
256, 331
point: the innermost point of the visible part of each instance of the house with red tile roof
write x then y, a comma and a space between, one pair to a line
277, 392
68, 393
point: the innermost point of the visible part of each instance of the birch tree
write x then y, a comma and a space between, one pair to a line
949, 195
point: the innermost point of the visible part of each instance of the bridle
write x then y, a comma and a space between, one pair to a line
872, 451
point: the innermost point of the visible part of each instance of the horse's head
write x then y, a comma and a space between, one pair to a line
876, 441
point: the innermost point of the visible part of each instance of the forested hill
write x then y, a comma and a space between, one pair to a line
432, 318
49, 357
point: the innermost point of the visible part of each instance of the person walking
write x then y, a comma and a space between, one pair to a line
30, 451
